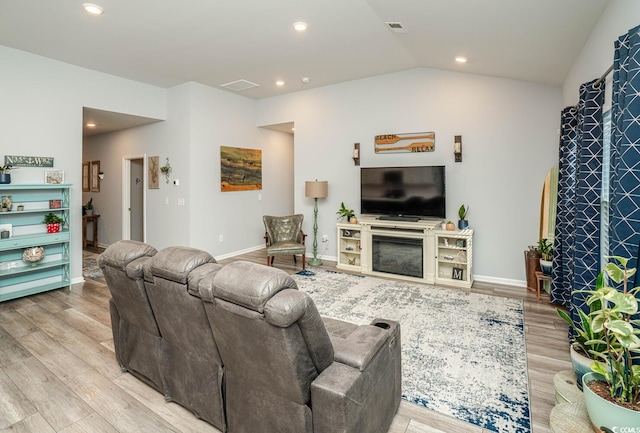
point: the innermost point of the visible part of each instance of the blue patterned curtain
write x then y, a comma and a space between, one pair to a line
562, 269
624, 225
576, 261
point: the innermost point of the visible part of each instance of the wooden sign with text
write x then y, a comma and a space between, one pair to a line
28, 161
417, 142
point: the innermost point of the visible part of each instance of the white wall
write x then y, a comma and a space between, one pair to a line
200, 119
597, 54
509, 136
41, 112
222, 119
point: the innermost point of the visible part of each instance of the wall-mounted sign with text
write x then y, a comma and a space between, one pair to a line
28, 161
416, 142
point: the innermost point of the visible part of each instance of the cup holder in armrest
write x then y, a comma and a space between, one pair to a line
382, 325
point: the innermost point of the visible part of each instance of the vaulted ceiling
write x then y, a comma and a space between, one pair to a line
213, 42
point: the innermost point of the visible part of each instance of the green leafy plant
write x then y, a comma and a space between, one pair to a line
344, 212
52, 218
620, 344
462, 212
5, 168
89, 204
545, 248
588, 341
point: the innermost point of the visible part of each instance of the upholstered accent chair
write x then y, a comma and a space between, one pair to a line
284, 237
191, 368
284, 372
136, 336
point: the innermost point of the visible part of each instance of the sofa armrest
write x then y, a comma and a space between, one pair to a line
351, 399
355, 345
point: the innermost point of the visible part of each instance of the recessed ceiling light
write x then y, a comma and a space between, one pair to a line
279, 83
300, 26
461, 59
90, 125
93, 9
305, 80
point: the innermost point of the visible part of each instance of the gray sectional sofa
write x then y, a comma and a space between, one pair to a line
242, 348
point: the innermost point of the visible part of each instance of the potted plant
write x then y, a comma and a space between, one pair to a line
88, 207
53, 222
462, 215
5, 177
450, 226
5, 204
583, 348
545, 248
346, 214
612, 389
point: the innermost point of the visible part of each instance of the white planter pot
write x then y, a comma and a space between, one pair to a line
581, 364
545, 265
606, 415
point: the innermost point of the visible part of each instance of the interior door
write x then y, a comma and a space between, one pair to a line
136, 193
134, 198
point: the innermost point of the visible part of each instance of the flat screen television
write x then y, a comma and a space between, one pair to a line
413, 192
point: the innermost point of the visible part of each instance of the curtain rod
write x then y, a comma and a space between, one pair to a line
603, 76
596, 84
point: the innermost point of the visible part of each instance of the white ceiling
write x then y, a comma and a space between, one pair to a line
213, 42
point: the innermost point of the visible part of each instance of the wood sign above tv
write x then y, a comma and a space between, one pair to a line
416, 142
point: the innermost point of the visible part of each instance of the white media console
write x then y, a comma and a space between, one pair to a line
412, 250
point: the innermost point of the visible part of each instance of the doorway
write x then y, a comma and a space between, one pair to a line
134, 198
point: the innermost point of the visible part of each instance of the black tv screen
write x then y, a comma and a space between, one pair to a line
403, 191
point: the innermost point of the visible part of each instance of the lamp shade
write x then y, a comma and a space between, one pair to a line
316, 189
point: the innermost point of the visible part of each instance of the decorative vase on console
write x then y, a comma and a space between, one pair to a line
462, 214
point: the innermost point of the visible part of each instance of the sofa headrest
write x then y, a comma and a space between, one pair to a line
247, 284
175, 263
121, 253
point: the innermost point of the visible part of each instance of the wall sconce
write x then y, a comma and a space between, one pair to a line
101, 175
166, 170
457, 148
356, 153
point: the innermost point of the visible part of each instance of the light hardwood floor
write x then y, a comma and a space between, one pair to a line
58, 371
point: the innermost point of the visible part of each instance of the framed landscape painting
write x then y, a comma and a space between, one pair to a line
240, 169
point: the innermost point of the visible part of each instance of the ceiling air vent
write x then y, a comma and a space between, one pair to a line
239, 85
396, 27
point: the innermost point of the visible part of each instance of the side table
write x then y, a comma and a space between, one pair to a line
540, 279
94, 220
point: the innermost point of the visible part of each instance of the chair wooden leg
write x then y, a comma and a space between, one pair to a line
294, 259
269, 261
304, 261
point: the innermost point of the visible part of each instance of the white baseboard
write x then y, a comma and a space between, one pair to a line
496, 280
237, 253
77, 280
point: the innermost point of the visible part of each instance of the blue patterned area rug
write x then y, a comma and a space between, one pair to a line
463, 354
90, 268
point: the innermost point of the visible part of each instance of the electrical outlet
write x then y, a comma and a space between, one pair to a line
325, 238
220, 238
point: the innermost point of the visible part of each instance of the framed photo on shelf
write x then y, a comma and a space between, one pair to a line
85, 176
460, 243
5, 230
95, 179
53, 176
457, 274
